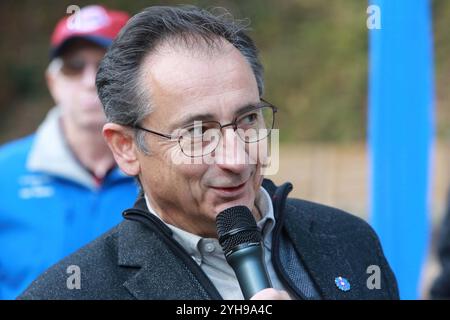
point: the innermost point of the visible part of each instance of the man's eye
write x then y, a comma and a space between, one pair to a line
250, 118
75, 64
197, 131
72, 67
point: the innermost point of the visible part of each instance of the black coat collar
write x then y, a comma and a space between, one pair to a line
320, 253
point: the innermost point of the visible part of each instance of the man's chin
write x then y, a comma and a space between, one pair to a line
232, 203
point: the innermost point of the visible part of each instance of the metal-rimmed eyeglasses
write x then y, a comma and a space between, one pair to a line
201, 138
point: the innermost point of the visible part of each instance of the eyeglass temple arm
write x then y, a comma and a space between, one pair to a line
154, 132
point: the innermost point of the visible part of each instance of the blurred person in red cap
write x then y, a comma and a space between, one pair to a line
60, 185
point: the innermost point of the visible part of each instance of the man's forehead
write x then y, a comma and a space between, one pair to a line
183, 79
179, 67
190, 47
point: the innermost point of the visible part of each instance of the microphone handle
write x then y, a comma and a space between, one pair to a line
250, 270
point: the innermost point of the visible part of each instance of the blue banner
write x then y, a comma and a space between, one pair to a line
400, 133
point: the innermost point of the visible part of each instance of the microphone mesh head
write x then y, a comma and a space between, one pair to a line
236, 226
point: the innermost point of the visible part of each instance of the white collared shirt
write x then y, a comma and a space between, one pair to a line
208, 253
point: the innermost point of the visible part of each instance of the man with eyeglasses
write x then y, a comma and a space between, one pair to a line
182, 90
60, 187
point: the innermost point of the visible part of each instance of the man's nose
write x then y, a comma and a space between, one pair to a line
88, 76
231, 152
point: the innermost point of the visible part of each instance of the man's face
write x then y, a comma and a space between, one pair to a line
185, 84
72, 85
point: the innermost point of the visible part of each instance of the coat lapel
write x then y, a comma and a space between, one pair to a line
322, 257
159, 274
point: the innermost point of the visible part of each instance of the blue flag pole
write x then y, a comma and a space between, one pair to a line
400, 134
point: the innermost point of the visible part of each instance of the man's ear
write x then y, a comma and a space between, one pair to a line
50, 79
121, 142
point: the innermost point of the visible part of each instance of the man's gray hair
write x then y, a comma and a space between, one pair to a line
124, 98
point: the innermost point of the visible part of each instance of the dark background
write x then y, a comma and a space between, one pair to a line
314, 52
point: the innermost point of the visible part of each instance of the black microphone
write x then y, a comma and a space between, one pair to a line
241, 242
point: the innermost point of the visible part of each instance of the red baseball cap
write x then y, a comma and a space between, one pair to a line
94, 23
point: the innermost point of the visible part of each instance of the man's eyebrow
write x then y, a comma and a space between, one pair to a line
191, 118
210, 117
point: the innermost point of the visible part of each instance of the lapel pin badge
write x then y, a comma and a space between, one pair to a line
342, 284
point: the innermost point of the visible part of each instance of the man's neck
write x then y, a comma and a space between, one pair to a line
89, 148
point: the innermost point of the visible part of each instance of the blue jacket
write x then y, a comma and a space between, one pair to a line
50, 206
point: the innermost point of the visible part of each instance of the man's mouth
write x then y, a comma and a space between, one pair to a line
230, 191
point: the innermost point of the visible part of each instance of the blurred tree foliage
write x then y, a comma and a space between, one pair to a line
314, 53
441, 28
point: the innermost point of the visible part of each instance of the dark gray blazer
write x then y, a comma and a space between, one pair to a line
312, 246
